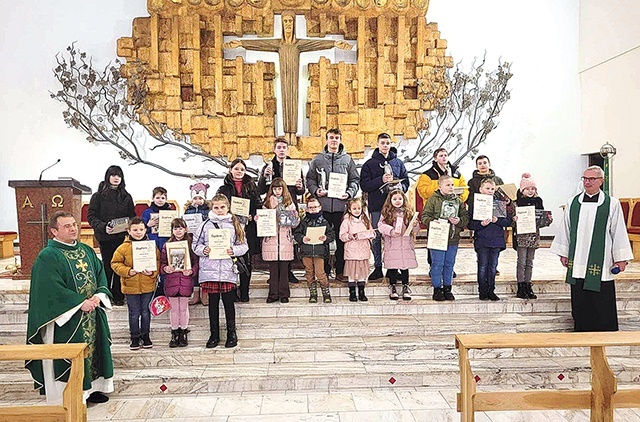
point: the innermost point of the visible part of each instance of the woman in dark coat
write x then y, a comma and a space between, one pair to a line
111, 201
238, 183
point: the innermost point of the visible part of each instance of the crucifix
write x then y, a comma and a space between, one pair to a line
289, 48
43, 223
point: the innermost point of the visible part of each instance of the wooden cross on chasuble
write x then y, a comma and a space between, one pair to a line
288, 48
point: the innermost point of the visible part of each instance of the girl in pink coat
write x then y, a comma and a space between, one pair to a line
399, 255
356, 233
278, 250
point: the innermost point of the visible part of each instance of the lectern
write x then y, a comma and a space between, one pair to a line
36, 201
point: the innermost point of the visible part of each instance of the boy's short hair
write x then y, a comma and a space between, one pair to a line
333, 131
487, 180
280, 140
383, 135
135, 220
442, 179
480, 157
313, 199
438, 151
157, 190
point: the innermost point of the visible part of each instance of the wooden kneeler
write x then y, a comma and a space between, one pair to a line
601, 399
72, 409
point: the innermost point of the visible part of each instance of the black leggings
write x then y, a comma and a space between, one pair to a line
228, 300
395, 275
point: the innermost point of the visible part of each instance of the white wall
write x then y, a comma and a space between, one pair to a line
609, 63
538, 129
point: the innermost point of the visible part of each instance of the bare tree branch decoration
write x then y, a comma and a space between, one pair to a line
111, 110
463, 115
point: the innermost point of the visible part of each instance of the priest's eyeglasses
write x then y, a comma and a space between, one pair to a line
590, 179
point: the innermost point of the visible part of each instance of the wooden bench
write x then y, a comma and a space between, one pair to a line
601, 399
6, 244
72, 409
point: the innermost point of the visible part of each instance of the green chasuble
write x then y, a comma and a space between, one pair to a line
63, 276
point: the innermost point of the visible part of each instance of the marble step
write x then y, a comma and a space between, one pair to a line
560, 372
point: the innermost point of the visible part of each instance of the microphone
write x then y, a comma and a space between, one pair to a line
40, 178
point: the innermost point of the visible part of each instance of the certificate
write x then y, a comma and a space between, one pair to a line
240, 206
510, 190
367, 234
164, 222
193, 221
219, 242
266, 222
144, 255
291, 171
119, 225
526, 219
154, 216
410, 226
438, 237
337, 185
314, 234
482, 207
178, 255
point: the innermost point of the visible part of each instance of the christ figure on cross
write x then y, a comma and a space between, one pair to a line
289, 48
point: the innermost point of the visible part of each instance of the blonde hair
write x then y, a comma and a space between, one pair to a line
442, 179
240, 237
389, 211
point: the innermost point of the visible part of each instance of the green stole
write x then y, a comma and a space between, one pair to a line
595, 260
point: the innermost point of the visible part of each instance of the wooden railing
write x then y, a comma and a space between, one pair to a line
72, 409
601, 399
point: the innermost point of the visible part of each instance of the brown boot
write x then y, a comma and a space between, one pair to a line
205, 300
195, 299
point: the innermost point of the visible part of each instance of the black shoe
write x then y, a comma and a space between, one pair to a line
135, 343
271, 300
483, 296
244, 299
438, 294
212, 342
352, 294
376, 275
118, 302
183, 340
522, 291
284, 300
492, 296
454, 274
292, 278
175, 336
447, 293
497, 273
97, 397
529, 291
146, 341
232, 337
361, 296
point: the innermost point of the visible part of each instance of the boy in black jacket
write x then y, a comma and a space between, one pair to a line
314, 254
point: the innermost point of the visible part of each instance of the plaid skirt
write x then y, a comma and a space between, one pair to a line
215, 287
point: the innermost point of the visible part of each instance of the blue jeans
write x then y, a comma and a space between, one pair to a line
487, 263
442, 266
376, 243
139, 314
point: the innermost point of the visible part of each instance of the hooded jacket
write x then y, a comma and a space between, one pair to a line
325, 163
122, 263
491, 235
371, 177
263, 186
315, 251
428, 181
476, 180
177, 284
432, 211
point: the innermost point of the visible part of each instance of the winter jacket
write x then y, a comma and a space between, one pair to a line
204, 209
315, 251
527, 240
428, 181
176, 283
432, 211
399, 253
476, 180
122, 263
249, 191
327, 162
357, 250
217, 270
491, 235
263, 186
114, 203
280, 246
371, 177
146, 216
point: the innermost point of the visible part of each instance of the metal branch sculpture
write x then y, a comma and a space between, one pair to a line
111, 110
463, 116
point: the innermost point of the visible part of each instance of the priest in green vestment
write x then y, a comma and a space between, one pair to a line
67, 301
592, 241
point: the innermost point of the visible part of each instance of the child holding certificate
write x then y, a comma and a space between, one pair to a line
150, 215
488, 242
198, 205
179, 280
399, 254
446, 206
314, 234
526, 243
218, 278
278, 249
137, 286
356, 233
